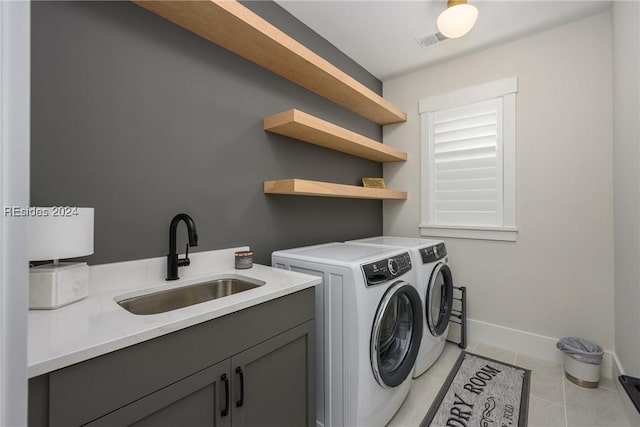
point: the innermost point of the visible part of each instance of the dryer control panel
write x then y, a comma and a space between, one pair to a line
433, 253
386, 269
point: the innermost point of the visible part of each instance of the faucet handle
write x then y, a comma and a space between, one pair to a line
183, 262
187, 261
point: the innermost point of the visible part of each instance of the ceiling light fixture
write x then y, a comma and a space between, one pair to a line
457, 19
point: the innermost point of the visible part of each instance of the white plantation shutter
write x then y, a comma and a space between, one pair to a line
465, 156
468, 159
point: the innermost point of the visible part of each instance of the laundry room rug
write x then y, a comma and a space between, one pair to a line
481, 392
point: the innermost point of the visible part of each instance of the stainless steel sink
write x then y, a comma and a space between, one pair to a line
172, 299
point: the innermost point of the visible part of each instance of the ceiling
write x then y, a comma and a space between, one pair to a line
381, 35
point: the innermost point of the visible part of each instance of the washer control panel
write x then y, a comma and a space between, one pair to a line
433, 253
386, 269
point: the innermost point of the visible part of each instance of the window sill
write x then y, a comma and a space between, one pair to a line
507, 234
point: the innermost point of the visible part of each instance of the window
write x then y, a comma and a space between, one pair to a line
468, 184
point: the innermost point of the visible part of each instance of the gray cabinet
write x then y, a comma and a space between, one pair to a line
258, 363
194, 401
271, 382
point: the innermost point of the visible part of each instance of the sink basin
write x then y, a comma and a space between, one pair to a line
172, 299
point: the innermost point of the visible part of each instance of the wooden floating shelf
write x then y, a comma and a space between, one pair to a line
305, 127
236, 28
303, 187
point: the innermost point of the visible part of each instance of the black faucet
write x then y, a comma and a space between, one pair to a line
172, 259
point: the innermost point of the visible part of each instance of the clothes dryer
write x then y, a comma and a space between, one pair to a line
434, 281
368, 329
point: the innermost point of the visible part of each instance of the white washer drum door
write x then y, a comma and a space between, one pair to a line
439, 299
396, 334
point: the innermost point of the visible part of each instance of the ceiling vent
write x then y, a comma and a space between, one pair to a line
431, 39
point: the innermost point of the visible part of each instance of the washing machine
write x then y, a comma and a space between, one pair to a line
368, 329
434, 281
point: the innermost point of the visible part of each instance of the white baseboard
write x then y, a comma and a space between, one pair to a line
528, 343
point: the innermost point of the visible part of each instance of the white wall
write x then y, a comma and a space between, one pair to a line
626, 149
15, 27
557, 279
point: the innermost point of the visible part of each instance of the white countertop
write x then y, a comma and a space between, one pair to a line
98, 325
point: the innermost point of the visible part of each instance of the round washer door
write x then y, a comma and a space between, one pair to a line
439, 299
396, 334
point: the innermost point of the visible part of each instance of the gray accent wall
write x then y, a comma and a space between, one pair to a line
141, 119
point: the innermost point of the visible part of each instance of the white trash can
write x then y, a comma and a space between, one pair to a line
582, 360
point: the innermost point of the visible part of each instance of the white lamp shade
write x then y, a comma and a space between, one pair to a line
456, 21
55, 235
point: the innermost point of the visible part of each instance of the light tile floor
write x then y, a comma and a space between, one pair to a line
553, 401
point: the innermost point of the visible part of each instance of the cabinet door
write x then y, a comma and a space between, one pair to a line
273, 382
197, 400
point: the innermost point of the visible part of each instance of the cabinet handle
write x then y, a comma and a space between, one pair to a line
240, 402
225, 411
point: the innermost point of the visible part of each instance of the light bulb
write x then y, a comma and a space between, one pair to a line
458, 20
